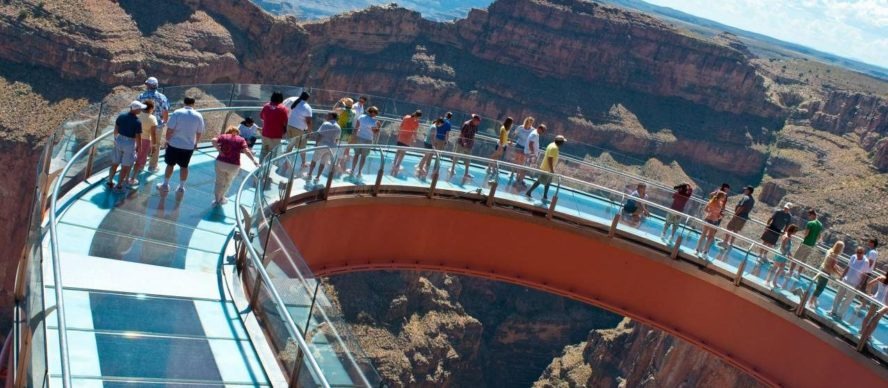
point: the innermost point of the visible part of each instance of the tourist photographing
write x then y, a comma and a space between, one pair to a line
680, 197
183, 132
230, 146
127, 139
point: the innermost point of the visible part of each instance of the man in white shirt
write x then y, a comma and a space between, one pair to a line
183, 132
858, 267
532, 148
299, 123
360, 105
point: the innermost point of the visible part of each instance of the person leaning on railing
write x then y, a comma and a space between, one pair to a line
161, 113
635, 211
127, 140
326, 136
149, 132
712, 217
406, 137
345, 112
432, 142
741, 215
774, 229
550, 160
785, 248
828, 269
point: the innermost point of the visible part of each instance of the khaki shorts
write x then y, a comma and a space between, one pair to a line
803, 252
297, 137
463, 150
673, 219
323, 155
269, 145
736, 224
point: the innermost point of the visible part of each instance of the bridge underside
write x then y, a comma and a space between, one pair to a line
755, 334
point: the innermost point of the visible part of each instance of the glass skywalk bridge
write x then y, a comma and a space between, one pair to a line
165, 289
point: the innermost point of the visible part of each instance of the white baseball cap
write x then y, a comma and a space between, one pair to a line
151, 81
137, 105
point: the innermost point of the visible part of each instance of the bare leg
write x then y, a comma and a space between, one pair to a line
124, 175
111, 173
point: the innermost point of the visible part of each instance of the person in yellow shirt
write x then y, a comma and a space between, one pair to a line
550, 160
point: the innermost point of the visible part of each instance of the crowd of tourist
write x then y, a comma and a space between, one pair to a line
148, 127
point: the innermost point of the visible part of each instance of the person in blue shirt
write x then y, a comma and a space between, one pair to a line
127, 139
161, 112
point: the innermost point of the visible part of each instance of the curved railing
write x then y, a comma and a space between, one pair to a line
71, 155
569, 204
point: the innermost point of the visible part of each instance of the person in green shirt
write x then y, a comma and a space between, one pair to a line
813, 229
550, 159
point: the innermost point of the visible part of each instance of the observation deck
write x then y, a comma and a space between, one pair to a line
153, 288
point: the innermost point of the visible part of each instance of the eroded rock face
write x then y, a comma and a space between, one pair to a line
633, 355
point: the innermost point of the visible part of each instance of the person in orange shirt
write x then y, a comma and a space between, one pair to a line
406, 137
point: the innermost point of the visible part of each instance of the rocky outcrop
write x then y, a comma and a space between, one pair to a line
633, 355
431, 329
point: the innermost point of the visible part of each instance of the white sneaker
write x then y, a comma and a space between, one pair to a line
163, 187
181, 189
223, 201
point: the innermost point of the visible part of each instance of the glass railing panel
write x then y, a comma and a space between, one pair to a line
879, 340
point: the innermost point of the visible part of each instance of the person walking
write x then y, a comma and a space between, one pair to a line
741, 215
274, 124
127, 140
502, 142
161, 114
406, 137
149, 132
774, 229
785, 248
853, 277
813, 230
712, 215
680, 197
298, 124
327, 135
366, 130
464, 144
550, 160
183, 132
230, 147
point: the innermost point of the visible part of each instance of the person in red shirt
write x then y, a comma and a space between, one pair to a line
230, 146
680, 197
274, 123
406, 137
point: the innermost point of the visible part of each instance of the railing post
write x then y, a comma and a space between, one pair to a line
92, 151
738, 277
554, 202
333, 163
380, 173
435, 175
676, 248
803, 299
613, 229
492, 193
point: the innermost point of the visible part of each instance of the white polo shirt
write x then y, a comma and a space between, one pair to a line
298, 114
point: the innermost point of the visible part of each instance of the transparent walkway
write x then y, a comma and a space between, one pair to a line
145, 300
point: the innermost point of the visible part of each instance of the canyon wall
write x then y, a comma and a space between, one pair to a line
633, 355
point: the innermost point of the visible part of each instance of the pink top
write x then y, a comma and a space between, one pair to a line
230, 148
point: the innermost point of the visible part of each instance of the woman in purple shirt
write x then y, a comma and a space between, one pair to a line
230, 146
